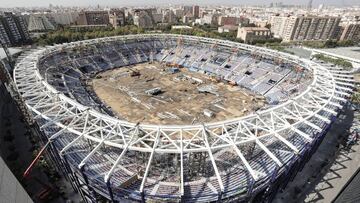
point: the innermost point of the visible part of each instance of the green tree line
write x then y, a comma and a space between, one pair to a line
337, 61
69, 35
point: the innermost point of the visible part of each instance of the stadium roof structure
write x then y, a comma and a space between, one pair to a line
12, 51
303, 117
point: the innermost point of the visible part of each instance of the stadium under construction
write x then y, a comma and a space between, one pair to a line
173, 118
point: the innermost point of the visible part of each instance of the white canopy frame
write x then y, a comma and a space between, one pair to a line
325, 94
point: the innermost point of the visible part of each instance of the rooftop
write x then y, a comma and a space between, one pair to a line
12, 52
255, 29
180, 27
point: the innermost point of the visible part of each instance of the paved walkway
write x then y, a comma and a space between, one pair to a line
328, 169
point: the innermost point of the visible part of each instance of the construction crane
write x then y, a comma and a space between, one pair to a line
7, 52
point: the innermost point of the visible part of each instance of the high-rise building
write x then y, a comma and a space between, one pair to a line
299, 28
157, 17
350, 31
187, 10
4, 36
143, 18
13, 29
196, 11
278, 25
227, 20
93, 18
64, 18
39, 23
169, 17
211, 19
116, 18
179, 12
188, 18
230, 20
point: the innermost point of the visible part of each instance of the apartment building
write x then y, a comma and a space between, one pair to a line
4, 36
350, 31
117, 17
278, 25
13, 29
211, 19
64, 18
196, 11
169, 17
144, 18
93, 18
299, 28
39, 23
230, 20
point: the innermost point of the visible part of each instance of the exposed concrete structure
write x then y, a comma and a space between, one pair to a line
11, 190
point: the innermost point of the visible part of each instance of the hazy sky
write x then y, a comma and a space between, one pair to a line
24, 3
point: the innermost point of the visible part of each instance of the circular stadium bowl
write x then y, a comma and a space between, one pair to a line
239, 159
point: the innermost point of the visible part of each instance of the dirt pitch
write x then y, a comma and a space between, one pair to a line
178, 102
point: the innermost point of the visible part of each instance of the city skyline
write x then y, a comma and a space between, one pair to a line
39, 3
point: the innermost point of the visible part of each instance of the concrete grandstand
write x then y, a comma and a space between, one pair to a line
241, 158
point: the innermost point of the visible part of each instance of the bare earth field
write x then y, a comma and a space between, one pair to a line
178, 102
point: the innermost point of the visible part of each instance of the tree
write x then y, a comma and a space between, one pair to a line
337, 61
330, 44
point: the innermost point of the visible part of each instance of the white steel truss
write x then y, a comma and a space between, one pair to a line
322, 98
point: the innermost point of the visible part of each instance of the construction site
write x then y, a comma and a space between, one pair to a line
158, 94
172, 118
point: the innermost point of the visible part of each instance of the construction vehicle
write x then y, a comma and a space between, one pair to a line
215, 79
232, 83
172, 65
134, 73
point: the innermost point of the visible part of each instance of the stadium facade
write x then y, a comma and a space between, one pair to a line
242, 159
